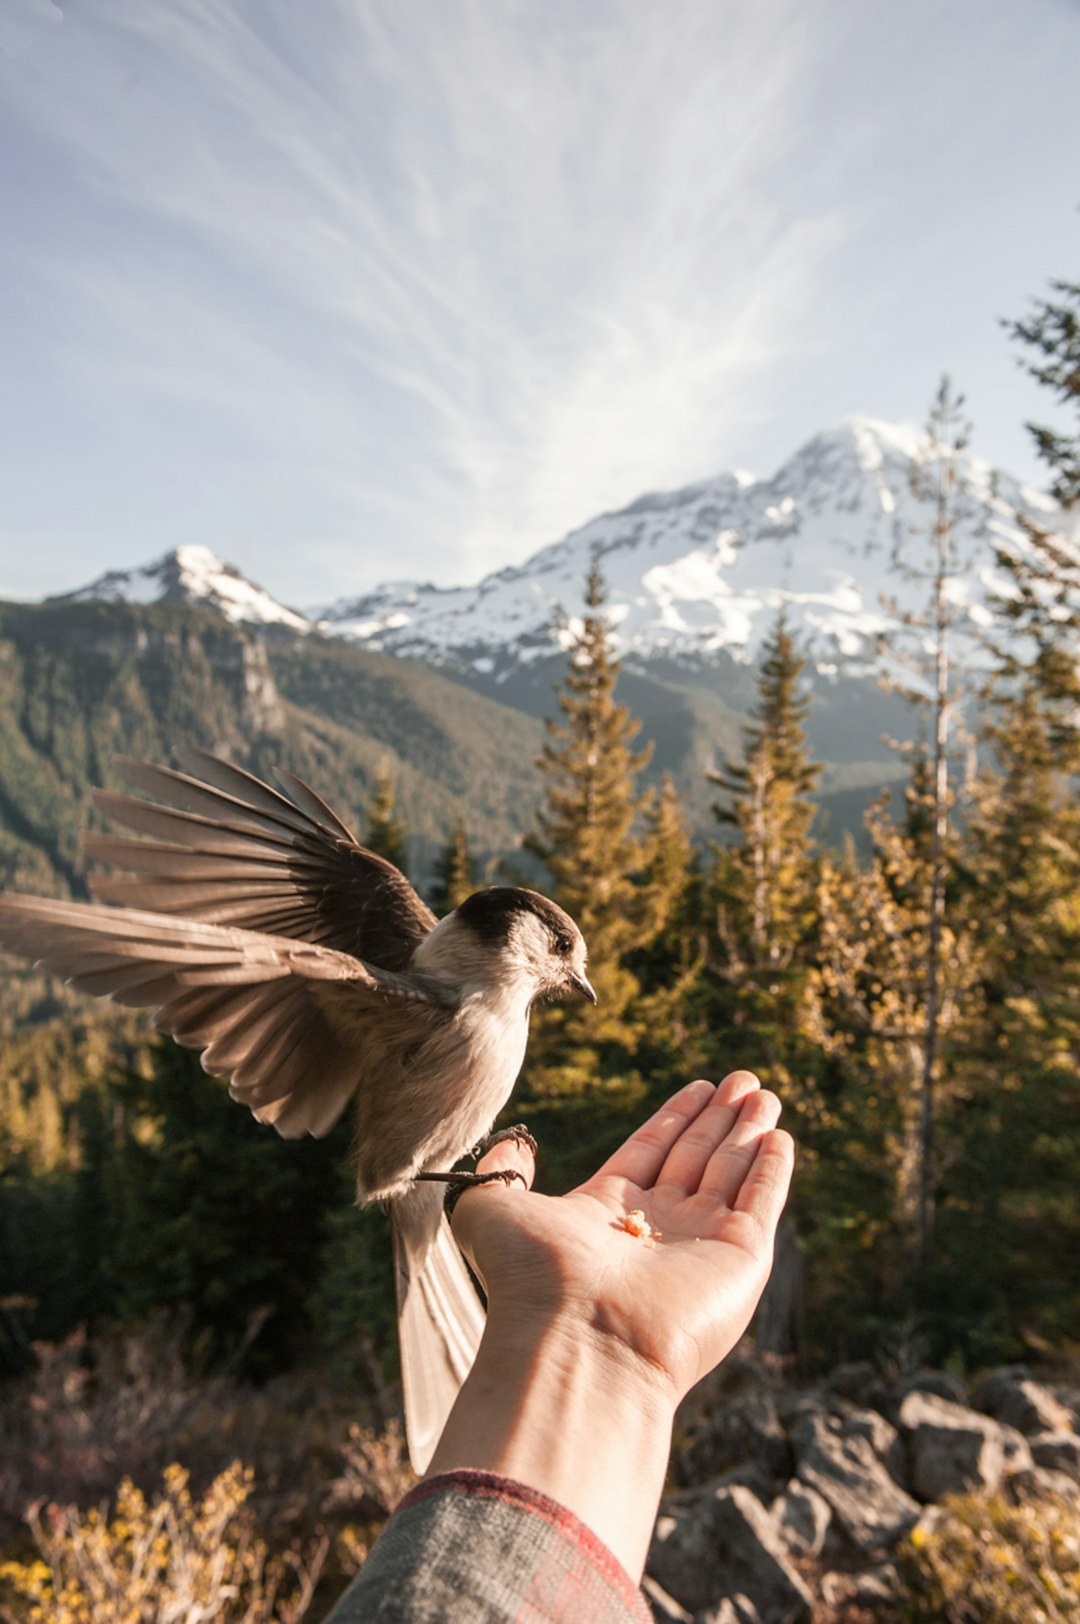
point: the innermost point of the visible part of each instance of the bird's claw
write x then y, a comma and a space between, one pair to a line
518, 1135
456, 1186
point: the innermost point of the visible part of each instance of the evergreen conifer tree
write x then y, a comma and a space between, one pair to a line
764, 885
1051, 337
455, 877
385, 834
587, 838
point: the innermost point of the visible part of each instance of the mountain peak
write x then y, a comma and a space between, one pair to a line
192, 574
704, 569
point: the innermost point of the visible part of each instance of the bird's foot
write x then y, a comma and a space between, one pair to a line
458, 1183
518, 1135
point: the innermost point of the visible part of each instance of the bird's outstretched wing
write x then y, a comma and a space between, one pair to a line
226, 849
266, 1013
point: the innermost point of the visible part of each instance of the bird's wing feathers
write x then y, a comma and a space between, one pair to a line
266, 1013
227, 849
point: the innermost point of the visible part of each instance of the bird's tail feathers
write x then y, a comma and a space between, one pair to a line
440, 1316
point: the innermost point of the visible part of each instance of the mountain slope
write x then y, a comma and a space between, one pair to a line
83, 682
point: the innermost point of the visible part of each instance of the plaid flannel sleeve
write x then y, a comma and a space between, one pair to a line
471, 1548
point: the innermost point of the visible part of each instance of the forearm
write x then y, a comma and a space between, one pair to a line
573, 1414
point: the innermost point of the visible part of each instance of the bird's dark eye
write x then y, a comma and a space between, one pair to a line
562, 944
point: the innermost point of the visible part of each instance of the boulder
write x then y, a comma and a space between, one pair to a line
726, 1546
836, 1456
732, 1610
1041, 1483
1010, 1395
938, 1382
802, 1517
1058, 1452
664, 1608
744, 1428
952, 1449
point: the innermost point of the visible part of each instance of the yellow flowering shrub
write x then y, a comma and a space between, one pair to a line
170, 1560
991, 1562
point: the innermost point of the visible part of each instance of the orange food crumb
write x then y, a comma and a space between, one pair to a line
636, 1223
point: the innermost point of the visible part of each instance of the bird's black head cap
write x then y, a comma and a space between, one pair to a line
490, 913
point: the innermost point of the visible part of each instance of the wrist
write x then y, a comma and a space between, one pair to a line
564, 1406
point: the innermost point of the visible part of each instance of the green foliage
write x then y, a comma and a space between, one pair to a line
990, 1562
1051, 338
455, 872
384, 833
586, 838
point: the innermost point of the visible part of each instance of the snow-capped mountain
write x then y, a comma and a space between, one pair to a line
192, 575
703, 569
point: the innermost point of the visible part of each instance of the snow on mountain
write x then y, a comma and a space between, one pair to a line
703, 569
192, 575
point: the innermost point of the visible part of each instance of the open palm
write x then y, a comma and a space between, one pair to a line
709, 1172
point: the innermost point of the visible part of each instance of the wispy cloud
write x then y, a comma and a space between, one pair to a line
472, 272
374, 289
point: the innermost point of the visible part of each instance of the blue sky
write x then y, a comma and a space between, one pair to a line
354, 291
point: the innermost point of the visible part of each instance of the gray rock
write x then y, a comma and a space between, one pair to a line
877, 1587
1042, 1482
728, 1546
882, 1437
1010, 1395
938, 1382
745, 1428
852, 1381
802, 1517
1058, 1451
664, 1608
953, 1450
837, 1458
1018, 1456
732, 1610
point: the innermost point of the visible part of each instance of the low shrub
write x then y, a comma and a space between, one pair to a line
169, 1558
988, 1561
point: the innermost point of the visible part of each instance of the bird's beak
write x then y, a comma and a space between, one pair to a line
580, 985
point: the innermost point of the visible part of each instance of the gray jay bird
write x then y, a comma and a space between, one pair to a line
309, 973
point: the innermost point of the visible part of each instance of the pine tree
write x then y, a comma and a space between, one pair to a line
585, 829
385, 834
1051, 336
936, 684
765, 884
455, 877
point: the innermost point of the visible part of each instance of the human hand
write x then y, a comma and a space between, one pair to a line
593, 1333
709, 1171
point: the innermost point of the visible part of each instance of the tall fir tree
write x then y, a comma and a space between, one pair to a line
925, 669
764, 883
455, 872
586, 836
1050, 337
386, 835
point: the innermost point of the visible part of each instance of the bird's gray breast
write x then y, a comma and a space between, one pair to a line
429, 1097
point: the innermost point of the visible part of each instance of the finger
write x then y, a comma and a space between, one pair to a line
730, 1161
640, 1158
512, 1155
689, 1156
765, 1188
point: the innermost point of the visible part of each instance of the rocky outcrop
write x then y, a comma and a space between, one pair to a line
825, 1483
726, 1547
